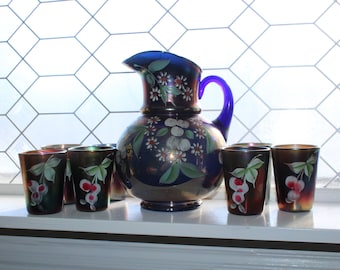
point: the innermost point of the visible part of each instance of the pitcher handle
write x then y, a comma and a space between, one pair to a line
223, 120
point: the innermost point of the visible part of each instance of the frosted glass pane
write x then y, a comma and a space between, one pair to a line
62, 79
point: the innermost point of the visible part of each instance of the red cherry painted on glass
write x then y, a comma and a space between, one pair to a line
86, 186
238, 198
93, 188
238, 182
41, 188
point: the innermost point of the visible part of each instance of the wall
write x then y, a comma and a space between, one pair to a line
62, 79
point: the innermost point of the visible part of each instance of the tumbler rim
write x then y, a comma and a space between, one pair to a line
42, 152
233, 148
91, 148
295, 146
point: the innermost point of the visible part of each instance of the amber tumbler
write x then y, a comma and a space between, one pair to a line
245, 174
91, 168
43, 180
295, 170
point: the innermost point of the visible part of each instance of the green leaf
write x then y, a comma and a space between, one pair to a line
98, 172
170, 175
158, 65
311, 160
210, 143
137, 142
162, 132
136, 128
164, 94
308, 170
91, 170
150, 78
238, 173
106, 163
251, 175
172, 90
49, 173
296, 167
189, 134
255, 163
68, 171
101, 173
52, 162
37, 169
191, 170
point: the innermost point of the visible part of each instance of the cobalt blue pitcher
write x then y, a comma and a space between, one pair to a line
170, 157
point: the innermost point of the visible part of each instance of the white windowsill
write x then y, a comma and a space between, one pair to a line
209, 223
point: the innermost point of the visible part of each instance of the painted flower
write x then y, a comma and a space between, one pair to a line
162, 154
163, 78
200, 132
295, 186
181, 82
155, 94
196, 149
187, 94
153, 120
151, 143
178, 157
149, 130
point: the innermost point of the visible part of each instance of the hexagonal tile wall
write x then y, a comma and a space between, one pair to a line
62, 79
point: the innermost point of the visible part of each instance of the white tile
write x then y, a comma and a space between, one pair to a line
92, 73
8, 96
330, 108
92, 6
9, 59
7, 167
8, 133
22, 114
330, 21
9, 23
294, 126
92, 35
130, 17
23, 8
288, 87
250, 109
23, 40
167, 31
57, 56
290, 11
290, 45
330, 151
55, 129
121, 92
214, 48
57, 94
249, 67
330, 64
22, 77
60, 19
207, 14
249, 26
91, 112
